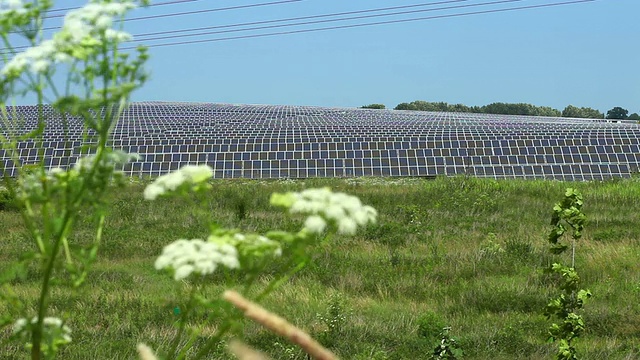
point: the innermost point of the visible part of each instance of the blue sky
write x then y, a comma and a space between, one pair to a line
584, 54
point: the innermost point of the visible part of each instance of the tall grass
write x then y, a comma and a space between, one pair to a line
461, 252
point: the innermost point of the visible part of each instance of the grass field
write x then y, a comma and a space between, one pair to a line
460, 252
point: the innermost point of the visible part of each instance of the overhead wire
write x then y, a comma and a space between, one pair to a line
137, 36
150, 5
203, 11
340, 19
328, 20
251, 36
300, 18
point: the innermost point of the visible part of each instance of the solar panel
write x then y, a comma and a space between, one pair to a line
263, 141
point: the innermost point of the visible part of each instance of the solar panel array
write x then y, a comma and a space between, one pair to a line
261, 141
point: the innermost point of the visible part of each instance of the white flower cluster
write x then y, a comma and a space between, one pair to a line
197, 256
33, 184
323, 205
188, 174
11, 8
11, 5
251, 244
96, 18
51, 324
82, 27
108, 160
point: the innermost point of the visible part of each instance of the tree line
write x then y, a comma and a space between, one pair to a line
513, 109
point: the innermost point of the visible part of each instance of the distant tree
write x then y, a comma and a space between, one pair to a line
634, 116
591, 113
459, 108
572, 112
420, 105
519, 109
373, 106
617, 113
583, 112
496, 108
404, 106
547, 111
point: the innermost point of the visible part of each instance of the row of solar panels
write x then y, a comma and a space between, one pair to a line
484, 156
284, 141
271, 117
231, 170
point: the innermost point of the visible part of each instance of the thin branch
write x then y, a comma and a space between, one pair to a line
243, 352
279, 326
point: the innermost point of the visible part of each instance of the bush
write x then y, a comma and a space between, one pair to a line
430, 324
7, 201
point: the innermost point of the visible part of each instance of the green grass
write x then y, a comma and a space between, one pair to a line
462, 252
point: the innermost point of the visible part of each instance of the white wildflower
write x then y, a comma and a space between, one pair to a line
40, 66
145, 352
118, 36
189, 174
152, 191
251, 245
85, 27
104, 21
183, 271
186, 257
62, 58
315, 224
15, 65
52, 325
347, 226
335, 212
19, 325
171, 181
108, 160
197, 173
364, 215
345, 211
12, 4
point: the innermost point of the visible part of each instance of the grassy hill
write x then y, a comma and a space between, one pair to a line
460, 252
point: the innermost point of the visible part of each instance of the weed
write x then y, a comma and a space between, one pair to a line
430, 325
8, 202
334, 320
567, 216
448, 347
518, 249
490, 248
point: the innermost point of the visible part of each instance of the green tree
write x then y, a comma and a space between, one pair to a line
572, 112
547, 111
617, 113
634, 116
519, 109
373, 106
583, 112
591, 113
404, 106
420, 105
441, 106
459, 108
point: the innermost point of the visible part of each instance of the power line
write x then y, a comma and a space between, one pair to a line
364, 24
136, 36
150, 5
341, 19
299, 18
329, 20
199, 11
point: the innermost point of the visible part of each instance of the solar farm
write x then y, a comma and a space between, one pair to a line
264, 141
